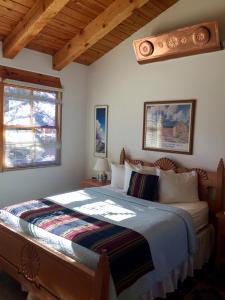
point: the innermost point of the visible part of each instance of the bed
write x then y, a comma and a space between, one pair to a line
42, 264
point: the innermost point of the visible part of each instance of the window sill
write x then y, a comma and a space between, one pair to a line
31, 167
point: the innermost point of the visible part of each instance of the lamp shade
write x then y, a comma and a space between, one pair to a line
101, 165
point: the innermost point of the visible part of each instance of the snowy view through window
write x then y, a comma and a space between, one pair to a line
30, 127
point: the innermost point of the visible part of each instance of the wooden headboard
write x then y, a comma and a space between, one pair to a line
210, 184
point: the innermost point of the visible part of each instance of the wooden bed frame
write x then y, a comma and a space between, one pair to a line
48, 274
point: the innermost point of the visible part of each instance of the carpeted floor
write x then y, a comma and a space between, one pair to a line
205, 285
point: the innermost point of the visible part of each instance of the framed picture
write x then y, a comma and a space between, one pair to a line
169, 125
101, 130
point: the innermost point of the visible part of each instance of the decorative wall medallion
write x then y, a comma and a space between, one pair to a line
30, 262
196, 39
201, 36
172, 42
183, 40
146, 48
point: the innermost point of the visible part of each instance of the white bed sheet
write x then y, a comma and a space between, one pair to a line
198, 210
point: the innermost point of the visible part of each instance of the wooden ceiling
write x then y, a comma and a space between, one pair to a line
73, 30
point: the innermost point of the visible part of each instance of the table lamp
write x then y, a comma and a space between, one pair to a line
101, 166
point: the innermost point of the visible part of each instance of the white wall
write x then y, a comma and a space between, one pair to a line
33, 183
117, 80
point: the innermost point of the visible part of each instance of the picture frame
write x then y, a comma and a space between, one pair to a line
101, 131
168, 126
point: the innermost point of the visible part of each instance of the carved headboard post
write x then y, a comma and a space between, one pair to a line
122, 156
219, 186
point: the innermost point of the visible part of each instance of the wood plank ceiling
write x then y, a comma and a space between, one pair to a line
73, 30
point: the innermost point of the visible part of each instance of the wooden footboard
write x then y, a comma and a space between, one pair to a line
48, 274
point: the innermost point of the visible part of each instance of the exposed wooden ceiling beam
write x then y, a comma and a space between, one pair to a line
112, 16
33, 22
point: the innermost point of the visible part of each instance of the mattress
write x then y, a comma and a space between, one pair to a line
199, 212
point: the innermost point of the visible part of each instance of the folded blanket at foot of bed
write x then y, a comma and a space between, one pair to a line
128, 251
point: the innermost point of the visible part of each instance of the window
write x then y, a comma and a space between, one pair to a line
31, 127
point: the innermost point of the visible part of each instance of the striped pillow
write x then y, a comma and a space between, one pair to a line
143, 186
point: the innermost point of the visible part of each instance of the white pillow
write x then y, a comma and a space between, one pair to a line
129, 168
117, 176
178, 187
128, 171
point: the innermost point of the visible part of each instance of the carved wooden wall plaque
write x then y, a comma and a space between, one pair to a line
190, 40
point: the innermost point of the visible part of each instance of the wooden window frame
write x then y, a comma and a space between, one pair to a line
58, 127
1, 124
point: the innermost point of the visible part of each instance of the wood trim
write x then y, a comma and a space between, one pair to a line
206, 180
111, 17
28, 127
30, 86
122, 156
196, 39
93, 183
102, 279
1, 124
30, 26
30, 167
31, 77
73, 18
42, 271
57, 127
220, 230
220, 186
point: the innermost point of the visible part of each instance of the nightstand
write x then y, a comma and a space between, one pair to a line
93, 183
220, 241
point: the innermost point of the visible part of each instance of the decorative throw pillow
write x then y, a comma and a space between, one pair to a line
129, 168
178, 187
143, 186
117, 176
